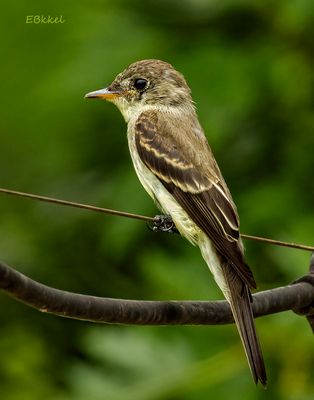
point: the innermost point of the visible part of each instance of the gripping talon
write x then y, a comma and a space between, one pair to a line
163, 223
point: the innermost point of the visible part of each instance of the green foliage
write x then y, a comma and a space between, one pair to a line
250, 67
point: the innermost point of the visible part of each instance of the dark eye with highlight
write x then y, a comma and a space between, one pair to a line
140, 84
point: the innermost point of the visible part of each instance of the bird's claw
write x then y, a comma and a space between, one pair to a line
163, 223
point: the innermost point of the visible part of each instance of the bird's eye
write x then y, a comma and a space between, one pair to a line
140, 83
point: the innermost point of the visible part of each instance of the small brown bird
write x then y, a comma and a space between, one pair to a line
176, 166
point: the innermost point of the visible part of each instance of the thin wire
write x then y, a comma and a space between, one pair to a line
76, 205
278, 242
139, 217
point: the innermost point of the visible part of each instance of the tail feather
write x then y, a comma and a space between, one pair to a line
240, 299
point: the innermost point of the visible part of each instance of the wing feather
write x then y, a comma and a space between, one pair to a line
196, 184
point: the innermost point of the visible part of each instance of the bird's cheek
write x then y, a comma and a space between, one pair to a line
130, 96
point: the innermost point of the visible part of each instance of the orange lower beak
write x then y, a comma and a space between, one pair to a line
102, 94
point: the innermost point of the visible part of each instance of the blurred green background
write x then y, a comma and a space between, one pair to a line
250, 67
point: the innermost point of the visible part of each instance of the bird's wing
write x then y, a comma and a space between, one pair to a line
190, 174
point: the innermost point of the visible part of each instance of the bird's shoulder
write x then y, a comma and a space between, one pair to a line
175, 142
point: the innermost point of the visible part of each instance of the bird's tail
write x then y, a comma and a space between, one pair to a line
240, 299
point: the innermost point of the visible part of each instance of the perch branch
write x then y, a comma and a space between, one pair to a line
298, 296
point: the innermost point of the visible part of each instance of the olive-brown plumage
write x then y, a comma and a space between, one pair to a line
176, 166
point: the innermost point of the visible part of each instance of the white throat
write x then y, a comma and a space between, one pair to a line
132, 111
129, 111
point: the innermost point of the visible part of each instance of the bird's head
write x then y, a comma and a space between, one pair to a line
144, 83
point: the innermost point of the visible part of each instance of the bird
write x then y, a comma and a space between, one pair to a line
176, 166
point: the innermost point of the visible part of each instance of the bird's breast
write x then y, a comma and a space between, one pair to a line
163, 199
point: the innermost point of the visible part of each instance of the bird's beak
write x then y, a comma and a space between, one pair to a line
105, 94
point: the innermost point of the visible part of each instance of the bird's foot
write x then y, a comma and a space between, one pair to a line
163, 223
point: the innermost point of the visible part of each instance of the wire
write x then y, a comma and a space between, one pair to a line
139, 217
76, 205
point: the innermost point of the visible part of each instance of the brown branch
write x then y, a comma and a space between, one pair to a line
298, 297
